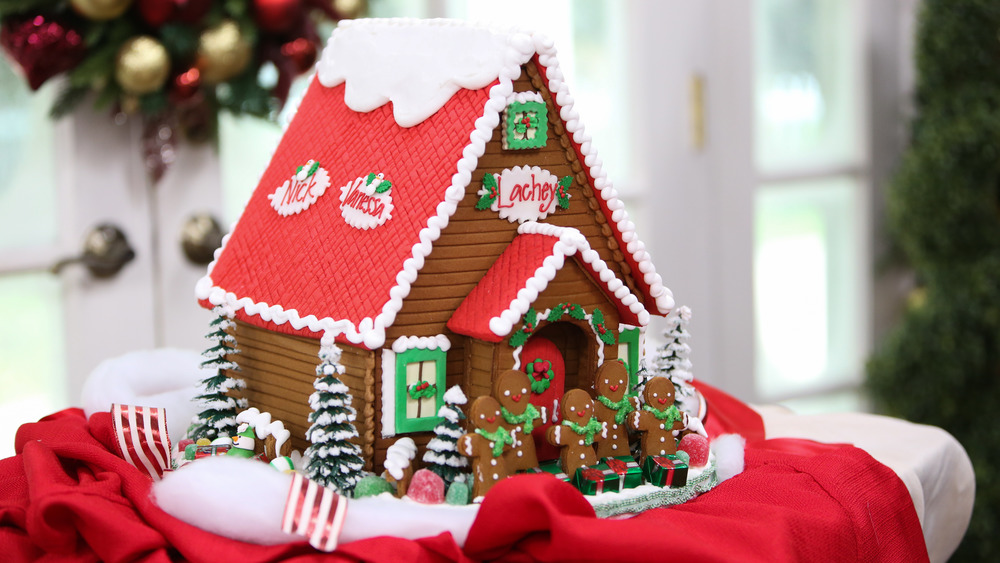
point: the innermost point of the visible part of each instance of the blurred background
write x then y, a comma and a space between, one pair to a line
815, 179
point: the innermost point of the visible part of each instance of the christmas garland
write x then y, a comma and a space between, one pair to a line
175, 63
541, 374
575, 311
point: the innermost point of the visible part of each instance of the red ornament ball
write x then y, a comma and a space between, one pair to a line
277, 16
192, 11
696, 446
159, 12
301, 52
42, 46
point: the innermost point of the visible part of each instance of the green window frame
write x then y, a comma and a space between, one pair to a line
419, 414
628, 351
516, 136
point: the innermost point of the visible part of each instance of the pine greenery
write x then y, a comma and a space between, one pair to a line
442, 456
334, 461
218, 417
941, 366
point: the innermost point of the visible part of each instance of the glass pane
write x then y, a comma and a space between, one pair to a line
807, 295
807, 77
31, 353
27, 164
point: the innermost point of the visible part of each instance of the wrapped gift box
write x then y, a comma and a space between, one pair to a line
626, 468
665, 471
551, 467
595, 480
208, 451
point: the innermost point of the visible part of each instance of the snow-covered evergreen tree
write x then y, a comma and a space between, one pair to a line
442, 455
672, 359
334, 461
218, 414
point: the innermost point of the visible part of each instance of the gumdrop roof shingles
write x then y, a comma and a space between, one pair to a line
419, 107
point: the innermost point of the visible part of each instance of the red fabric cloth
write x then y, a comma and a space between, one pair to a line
67, 495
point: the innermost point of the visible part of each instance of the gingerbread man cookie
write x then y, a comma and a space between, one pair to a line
513, 389
486, 445
613, 405
577, 432
659, 420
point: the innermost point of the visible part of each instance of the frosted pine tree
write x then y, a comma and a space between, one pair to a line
672, 359
218, 417
334, 461
442, 455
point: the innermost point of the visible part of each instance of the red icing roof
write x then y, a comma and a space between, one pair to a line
520, 266
314, 261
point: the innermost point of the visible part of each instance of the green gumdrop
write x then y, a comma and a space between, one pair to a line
458, 494
189, 451
683, 456
372, 485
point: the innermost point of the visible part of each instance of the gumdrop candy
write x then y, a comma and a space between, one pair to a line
696, 446
203, 442
458, 494
426, 487
371, 486
184, 443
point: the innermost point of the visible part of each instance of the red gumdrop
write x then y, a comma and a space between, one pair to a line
696, 446
426, 487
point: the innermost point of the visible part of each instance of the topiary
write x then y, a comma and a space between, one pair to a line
941, 366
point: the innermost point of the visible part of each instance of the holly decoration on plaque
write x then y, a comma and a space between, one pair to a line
489, 192
562, 192
572, 309
377, 183
541, 374
310, 168
421, 390
530, 323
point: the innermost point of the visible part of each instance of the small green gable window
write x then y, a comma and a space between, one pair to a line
526, 122
628, 352
420, 386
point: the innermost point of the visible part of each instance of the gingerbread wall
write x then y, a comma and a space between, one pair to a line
279, 371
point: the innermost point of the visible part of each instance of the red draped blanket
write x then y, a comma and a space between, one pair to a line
67, 495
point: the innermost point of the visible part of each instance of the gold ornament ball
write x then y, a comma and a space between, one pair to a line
142, 65
100, 10
223, 53
351, 9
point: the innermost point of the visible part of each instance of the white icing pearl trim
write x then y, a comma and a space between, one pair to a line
404, 343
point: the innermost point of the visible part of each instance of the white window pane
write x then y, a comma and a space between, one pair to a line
27, 164
32, 379
807, 105
807, 297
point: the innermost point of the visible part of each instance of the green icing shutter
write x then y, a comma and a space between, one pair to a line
628, 351
412, 367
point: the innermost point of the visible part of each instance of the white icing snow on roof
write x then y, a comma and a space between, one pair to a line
416, 67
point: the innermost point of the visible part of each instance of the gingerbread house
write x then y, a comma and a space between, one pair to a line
436, 209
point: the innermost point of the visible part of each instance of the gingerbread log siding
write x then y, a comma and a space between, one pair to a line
279, 371
473, 239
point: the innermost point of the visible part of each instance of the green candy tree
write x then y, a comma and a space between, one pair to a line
218, 414
941, 366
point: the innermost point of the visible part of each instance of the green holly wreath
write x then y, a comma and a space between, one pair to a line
421, 390
541, 374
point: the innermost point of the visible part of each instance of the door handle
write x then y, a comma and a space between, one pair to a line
201, 235
105, 252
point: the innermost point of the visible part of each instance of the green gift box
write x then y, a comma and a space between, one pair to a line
626, 468
551, 467
665, 471
594, 481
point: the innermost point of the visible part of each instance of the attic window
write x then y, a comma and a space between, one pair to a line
526, 122
419, 389
628, 352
